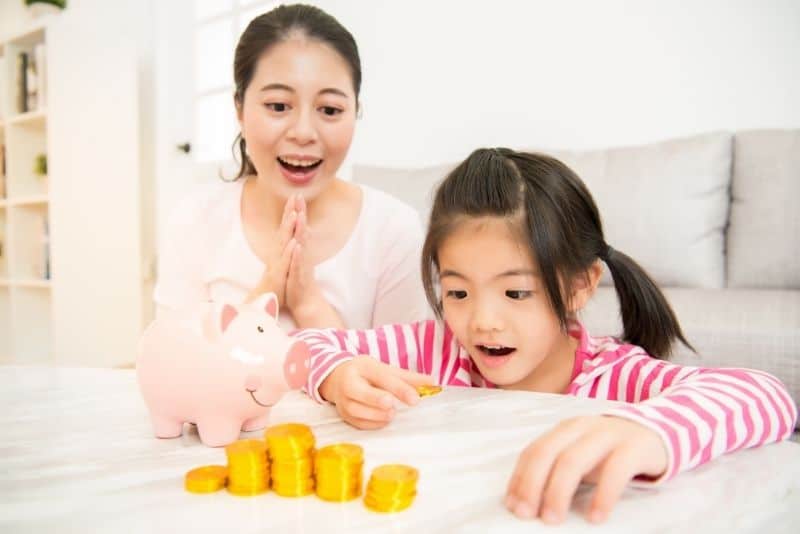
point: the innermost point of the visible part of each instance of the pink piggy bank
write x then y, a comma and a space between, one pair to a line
221, 367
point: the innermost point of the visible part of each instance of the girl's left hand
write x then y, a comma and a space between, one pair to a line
608, 451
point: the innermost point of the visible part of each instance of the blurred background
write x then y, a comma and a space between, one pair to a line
111, 109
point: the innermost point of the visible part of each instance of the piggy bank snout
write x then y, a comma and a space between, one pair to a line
296, 367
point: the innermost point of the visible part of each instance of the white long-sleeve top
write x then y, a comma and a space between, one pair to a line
373, 280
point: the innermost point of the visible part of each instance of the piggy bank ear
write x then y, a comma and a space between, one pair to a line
227, 315
267, 302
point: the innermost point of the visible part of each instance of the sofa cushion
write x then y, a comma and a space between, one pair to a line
758, 329
764, 235
413, 186
664, 204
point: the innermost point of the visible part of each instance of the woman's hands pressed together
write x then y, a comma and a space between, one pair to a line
607, 451
290, 272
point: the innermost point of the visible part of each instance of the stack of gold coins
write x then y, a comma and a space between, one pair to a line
291, 451
248, 467
428, 390
391, 488
206, 479
337, 469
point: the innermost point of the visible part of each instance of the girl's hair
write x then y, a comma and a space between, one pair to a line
557, 218
276, 26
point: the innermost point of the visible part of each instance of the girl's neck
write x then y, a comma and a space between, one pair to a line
554, 373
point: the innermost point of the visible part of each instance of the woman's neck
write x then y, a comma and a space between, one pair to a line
262, 204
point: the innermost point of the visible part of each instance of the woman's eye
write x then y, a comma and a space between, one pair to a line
261, 329
330, 111
278, 107
457, 294
518, 294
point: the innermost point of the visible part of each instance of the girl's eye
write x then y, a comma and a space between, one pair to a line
330, 111
261, 329
518, 294
457, 294
278, 107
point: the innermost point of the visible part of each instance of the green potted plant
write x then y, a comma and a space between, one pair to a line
43, 7
40, 165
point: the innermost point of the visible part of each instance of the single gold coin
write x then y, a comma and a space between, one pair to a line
428, 390
246, 447
394, 473
289, 440
206, 479
346, 452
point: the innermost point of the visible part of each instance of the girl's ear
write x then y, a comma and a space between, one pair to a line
584, 286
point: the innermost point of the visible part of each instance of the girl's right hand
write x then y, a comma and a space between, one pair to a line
364, 390
274, 278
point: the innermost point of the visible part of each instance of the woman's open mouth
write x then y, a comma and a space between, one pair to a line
298, 171
494, 356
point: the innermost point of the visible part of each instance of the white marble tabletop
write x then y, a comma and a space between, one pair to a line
77, 455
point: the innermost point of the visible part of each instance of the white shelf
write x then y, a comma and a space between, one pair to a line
25, 295
29, 118
32, 200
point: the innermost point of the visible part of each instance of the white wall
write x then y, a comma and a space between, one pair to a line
443, 77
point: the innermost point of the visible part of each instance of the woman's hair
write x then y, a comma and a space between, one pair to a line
279, 25
555, 215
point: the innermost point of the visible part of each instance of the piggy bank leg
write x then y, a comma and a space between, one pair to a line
218, 432
256, 423
166, 427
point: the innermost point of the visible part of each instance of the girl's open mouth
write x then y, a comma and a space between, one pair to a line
495, 355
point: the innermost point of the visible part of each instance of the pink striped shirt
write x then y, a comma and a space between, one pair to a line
699, 413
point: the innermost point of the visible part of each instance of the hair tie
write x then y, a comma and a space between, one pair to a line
606, 253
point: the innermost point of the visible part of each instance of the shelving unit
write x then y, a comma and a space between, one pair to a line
25, 282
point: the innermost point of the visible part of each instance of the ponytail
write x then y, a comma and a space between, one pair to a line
647, 318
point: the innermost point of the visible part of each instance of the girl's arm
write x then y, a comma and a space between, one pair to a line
426, 347
699, 413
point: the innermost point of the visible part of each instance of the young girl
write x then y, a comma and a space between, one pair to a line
287, 224
516, 244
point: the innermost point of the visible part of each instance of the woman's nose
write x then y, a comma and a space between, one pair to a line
303, 131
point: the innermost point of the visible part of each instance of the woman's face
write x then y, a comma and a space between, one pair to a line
298, 116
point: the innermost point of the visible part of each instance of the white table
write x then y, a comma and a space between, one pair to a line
77, 455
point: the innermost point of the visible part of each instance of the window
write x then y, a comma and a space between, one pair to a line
217, 27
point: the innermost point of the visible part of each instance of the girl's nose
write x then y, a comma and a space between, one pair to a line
484, 319
303, 131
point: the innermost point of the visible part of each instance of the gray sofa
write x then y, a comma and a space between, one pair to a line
713, 218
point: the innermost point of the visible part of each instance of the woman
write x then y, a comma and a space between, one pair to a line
335, 253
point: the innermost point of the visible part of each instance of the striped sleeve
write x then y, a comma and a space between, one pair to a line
699, 413
424, 347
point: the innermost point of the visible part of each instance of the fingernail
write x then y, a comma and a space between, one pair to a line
549, 516
386, 402
390, 414
412, 399
523, 510
510, 502
596, 516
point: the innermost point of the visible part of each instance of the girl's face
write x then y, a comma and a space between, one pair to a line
495, 304
298, 116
